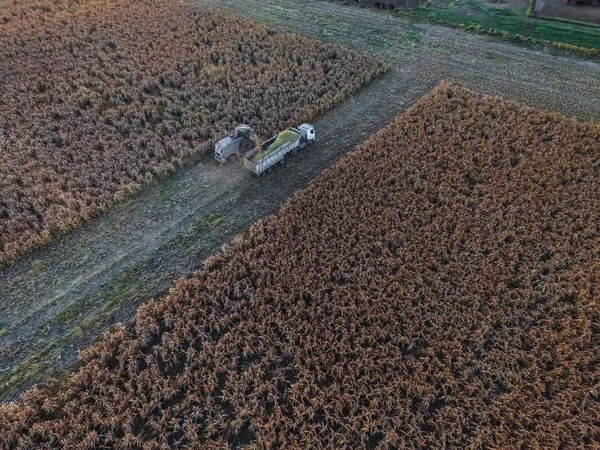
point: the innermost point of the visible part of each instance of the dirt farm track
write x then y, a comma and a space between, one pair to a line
66, 295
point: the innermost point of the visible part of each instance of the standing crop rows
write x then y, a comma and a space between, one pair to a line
436, 288
97, 97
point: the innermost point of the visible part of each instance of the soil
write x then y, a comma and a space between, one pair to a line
588, 11
65, 296
389, 5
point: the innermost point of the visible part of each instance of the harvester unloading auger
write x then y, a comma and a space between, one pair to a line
261, 157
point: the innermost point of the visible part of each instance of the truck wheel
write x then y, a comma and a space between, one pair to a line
232, 158
281, 161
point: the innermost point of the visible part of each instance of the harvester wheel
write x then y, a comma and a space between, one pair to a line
232, 158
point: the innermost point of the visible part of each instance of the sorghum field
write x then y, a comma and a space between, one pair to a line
98, 96
438, 288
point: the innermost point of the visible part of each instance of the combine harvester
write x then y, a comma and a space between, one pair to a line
261, 157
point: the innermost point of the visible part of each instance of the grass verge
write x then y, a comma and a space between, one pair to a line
472, 15
82, 323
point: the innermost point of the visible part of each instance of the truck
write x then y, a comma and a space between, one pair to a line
261, 157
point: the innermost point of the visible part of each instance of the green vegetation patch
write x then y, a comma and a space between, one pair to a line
209, 220
83, 320
477, 16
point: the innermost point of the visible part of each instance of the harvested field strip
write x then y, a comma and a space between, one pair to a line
438, 285
98, 97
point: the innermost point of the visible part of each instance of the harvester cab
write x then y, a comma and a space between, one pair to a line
236, 145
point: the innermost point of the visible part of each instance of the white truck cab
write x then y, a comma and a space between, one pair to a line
308, 132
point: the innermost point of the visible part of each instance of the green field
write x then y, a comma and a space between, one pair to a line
510, 21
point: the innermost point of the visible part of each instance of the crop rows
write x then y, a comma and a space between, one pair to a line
97, 97
438, 288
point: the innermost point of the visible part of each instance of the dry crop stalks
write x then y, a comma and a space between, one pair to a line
437, 287
99, 97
